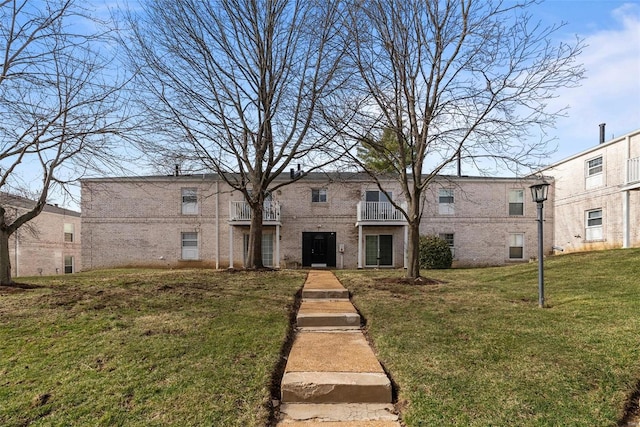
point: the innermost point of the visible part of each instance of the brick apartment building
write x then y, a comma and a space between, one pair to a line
334, 220
49, 244
597, 197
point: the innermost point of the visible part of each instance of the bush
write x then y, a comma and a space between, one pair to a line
434, 253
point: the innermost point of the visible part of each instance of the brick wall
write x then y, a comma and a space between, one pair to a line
39, 247
138, 221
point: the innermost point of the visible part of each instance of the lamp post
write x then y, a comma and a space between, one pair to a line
539, 193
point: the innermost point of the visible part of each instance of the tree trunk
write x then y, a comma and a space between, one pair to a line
413, 250
5, 260
254, 259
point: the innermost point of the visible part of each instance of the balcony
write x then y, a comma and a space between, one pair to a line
240, 213
379, 213
633, 171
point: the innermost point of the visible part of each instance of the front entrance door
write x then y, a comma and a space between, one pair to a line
319, 249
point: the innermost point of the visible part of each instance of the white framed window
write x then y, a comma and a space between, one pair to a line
593, 224
267, 249
594, 172
190, 245
450, 239
516, 202
319, 195
378, 250
68, 264
446, 201
516, 246
189, 201
69, 234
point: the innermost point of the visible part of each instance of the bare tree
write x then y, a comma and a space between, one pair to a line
235, 86
450, 78
58, 105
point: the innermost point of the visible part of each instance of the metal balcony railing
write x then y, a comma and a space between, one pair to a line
379, 212
241, 211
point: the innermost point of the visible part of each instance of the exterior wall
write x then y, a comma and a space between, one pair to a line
481, 223
138, 221
574, 198
39, 247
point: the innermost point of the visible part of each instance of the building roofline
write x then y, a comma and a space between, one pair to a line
26, 203
593, 149
314, 176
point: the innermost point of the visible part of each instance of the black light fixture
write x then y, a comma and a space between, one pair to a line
539, 193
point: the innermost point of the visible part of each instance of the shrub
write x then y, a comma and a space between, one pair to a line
434, 253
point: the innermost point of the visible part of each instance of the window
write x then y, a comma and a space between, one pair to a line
516, 202
445, 201
379, 250
516, 246
319, 195
267, 249
190, 245
377, 196
189, 201
594, 166
68, 233
593, 172
449, 238
68, 264
593, 221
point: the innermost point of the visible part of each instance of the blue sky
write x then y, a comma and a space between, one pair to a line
611, 91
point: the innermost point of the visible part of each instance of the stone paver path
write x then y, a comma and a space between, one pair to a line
332, 377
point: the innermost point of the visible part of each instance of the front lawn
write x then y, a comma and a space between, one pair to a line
133, 347
475, 349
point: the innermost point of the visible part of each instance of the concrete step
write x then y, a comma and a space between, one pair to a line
335, 387
334, 367
349, 414
339, 424
324, 313
323, 284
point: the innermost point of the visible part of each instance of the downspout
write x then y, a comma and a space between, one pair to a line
626, 202
16, 274
218, 224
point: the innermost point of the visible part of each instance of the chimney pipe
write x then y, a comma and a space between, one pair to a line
602, 125
177, 170
459, 164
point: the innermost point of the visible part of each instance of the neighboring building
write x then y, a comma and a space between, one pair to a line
48, 244
334, 220
597, 202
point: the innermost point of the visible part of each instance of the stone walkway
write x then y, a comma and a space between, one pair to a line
332, 377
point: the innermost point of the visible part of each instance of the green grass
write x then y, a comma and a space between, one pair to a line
192, 348
134, 347
475, 349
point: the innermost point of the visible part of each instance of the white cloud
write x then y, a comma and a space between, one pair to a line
611, 92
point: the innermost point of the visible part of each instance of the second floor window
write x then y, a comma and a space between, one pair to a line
319, 195
189, 201
516, 202
593, 173
377, 196
445, 201
594, 166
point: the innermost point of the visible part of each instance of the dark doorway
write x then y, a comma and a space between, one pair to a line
319, 249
